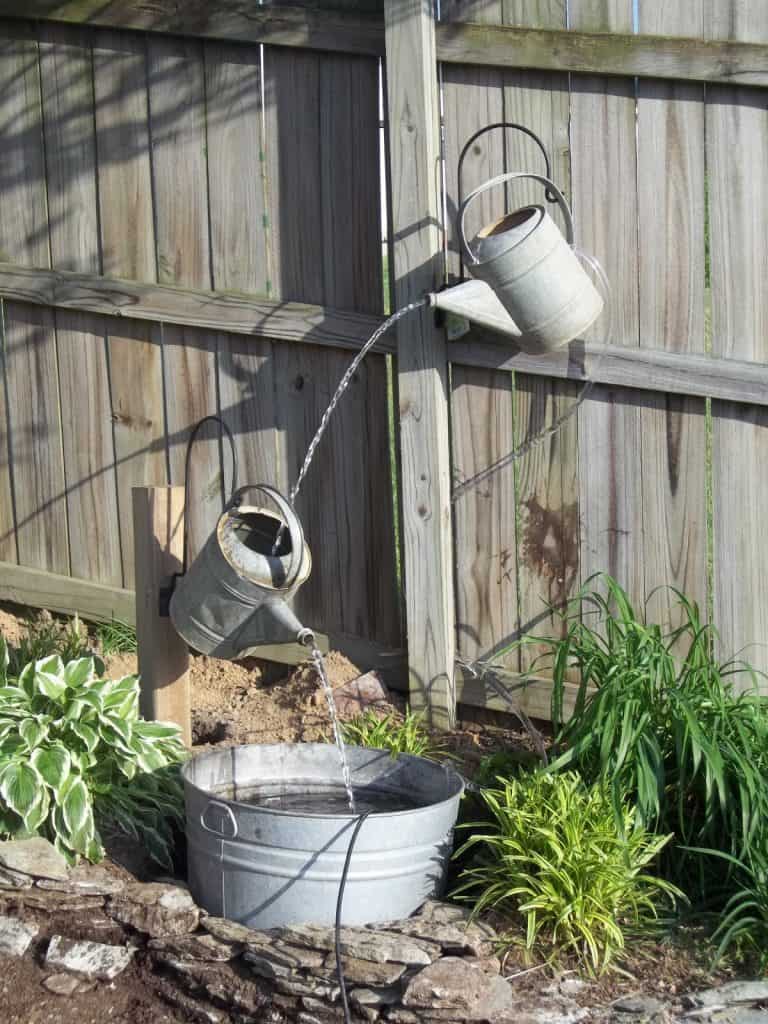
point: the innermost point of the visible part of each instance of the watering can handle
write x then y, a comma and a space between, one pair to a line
291, 519
499, 180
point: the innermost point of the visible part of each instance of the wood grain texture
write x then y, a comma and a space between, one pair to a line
8, 549
31, 380
670, 174
595, 52
422, 367
163, 656
217, 311
128, 250
38, 589
604, 175
237, 201
279, 25
737, 152
176, 77
88, 443
487, 617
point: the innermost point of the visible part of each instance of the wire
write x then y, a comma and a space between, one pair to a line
187, 462
337, 933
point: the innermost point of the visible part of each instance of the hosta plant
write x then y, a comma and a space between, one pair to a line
553, 858
75, 757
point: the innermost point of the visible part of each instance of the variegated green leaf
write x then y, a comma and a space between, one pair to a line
53, 763
38, 813
20, 787
79, 672
157, 730
33, 731
49, 684
87, 734
76, 806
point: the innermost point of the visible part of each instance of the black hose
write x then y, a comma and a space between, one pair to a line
339, 902
187, 462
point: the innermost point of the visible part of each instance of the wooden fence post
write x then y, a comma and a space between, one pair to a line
158, 532
414, 144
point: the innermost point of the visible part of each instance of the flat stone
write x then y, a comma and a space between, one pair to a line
232, 931
741, 1015
15, 880
266, 966
156, 909
62, 984
93, 960
197, 947
35, 856
455, 984
645, 1005
360, 695
307, 987
365, 972
298, 957
86, 880
448, 925
400, 1016
730, 993
16, 936
387, 995
364, 944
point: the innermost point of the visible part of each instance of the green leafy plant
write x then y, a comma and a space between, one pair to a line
657, 722
75, 756
744, 922
44, 636
553, 855
406, 735
116, 637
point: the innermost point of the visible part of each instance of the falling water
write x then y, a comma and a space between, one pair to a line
317, 658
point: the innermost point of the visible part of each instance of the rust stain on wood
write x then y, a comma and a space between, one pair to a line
550, 546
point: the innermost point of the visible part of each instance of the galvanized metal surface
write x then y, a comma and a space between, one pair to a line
266, 867
233, 596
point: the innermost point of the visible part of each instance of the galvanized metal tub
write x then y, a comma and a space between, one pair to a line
266, 867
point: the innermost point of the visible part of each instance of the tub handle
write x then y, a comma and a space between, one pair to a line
228, 815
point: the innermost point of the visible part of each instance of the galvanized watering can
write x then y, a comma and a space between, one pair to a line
533, 269
233, 597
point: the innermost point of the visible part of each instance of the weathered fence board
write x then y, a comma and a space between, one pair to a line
737, 156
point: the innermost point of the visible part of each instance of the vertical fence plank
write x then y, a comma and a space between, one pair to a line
547, 488
128, 250
670, 140
604, 175
30, 345
8, 548
422, 369
179, 176
89, 456
737, 155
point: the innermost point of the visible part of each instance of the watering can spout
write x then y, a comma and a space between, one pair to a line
235, 595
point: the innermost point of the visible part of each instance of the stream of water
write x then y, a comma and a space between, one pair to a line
346, 776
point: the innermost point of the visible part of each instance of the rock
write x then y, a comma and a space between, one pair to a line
364, 944
16, 936
62, 984
265, 965
90, 959
730, 993
455, 984
86, 880
231, 931
36, 857
450, 926
741, 1015
156, 909
365, 972
572, 986
197, 947
15, 880
645, 1005
385, 996
399, 1016
291, 986
361, 694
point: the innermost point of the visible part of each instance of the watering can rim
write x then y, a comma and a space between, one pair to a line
499, 179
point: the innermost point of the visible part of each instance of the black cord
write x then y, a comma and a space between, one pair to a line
187, 461
339, 902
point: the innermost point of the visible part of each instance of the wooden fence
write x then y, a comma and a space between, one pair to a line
190, 223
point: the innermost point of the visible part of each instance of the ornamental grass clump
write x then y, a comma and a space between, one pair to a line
406, 735
75, 758
552, 856
659, 723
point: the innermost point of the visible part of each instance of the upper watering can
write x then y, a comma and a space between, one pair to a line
233, 597
533, 270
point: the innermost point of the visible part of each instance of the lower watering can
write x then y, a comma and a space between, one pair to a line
234, 595
533, 270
